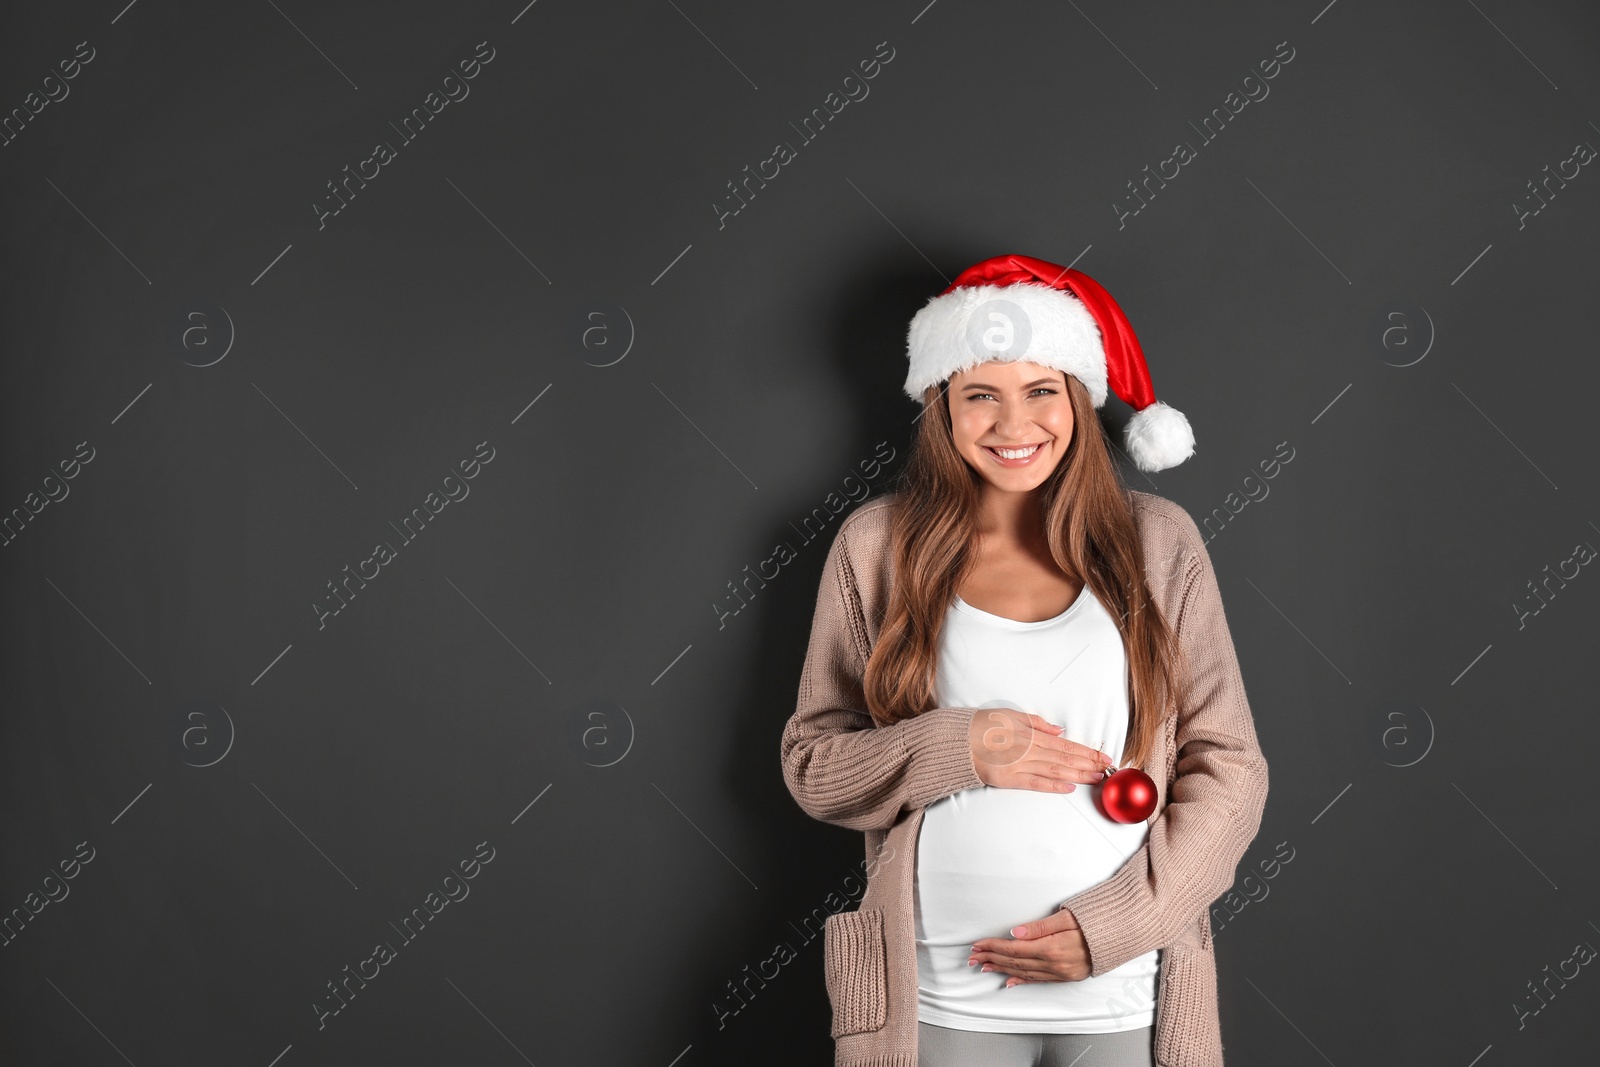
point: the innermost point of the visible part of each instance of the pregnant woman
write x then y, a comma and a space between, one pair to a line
992, 639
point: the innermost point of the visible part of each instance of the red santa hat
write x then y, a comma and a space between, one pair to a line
1017, 308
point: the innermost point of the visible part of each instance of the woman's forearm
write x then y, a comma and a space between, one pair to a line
1215, 804
840, 766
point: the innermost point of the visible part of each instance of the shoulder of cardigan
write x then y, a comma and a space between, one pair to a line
874, 517
867, 529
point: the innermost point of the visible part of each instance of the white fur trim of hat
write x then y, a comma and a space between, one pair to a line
1017, 308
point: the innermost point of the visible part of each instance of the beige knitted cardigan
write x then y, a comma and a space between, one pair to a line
844, 769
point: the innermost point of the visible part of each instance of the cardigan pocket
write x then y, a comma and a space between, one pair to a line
854, 966
1187, 1017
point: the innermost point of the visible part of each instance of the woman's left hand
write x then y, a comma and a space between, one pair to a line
1050, 950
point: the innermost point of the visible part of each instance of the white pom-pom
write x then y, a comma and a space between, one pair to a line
1158, 437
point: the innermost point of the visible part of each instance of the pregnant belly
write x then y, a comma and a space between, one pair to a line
988, 859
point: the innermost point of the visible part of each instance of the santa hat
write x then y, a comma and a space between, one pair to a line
1017, 308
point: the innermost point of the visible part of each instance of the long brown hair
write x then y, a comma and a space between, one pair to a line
1089, 525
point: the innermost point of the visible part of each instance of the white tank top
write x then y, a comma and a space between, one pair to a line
991, 858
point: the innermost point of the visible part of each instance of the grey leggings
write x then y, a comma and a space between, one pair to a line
940, 1046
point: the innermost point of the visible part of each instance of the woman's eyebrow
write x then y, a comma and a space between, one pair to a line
1030, 385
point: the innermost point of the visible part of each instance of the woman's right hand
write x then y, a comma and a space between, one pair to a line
1014, 749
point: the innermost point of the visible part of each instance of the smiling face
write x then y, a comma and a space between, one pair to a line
1012, 421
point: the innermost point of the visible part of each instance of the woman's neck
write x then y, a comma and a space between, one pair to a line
1010, 517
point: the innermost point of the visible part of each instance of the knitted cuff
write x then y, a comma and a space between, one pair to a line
939, 744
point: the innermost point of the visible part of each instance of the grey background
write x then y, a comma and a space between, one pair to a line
1430, 751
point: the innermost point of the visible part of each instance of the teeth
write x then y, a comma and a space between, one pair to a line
1015, 453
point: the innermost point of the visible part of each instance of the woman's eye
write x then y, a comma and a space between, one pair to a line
1040, 389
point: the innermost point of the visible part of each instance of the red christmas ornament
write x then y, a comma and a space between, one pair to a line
1127, 796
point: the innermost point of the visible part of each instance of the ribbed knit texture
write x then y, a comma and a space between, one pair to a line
855, 969
843, 769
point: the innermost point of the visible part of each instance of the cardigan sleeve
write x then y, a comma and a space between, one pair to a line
1215, 804
840, 766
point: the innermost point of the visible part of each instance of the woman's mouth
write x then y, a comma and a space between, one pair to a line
1019, 456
